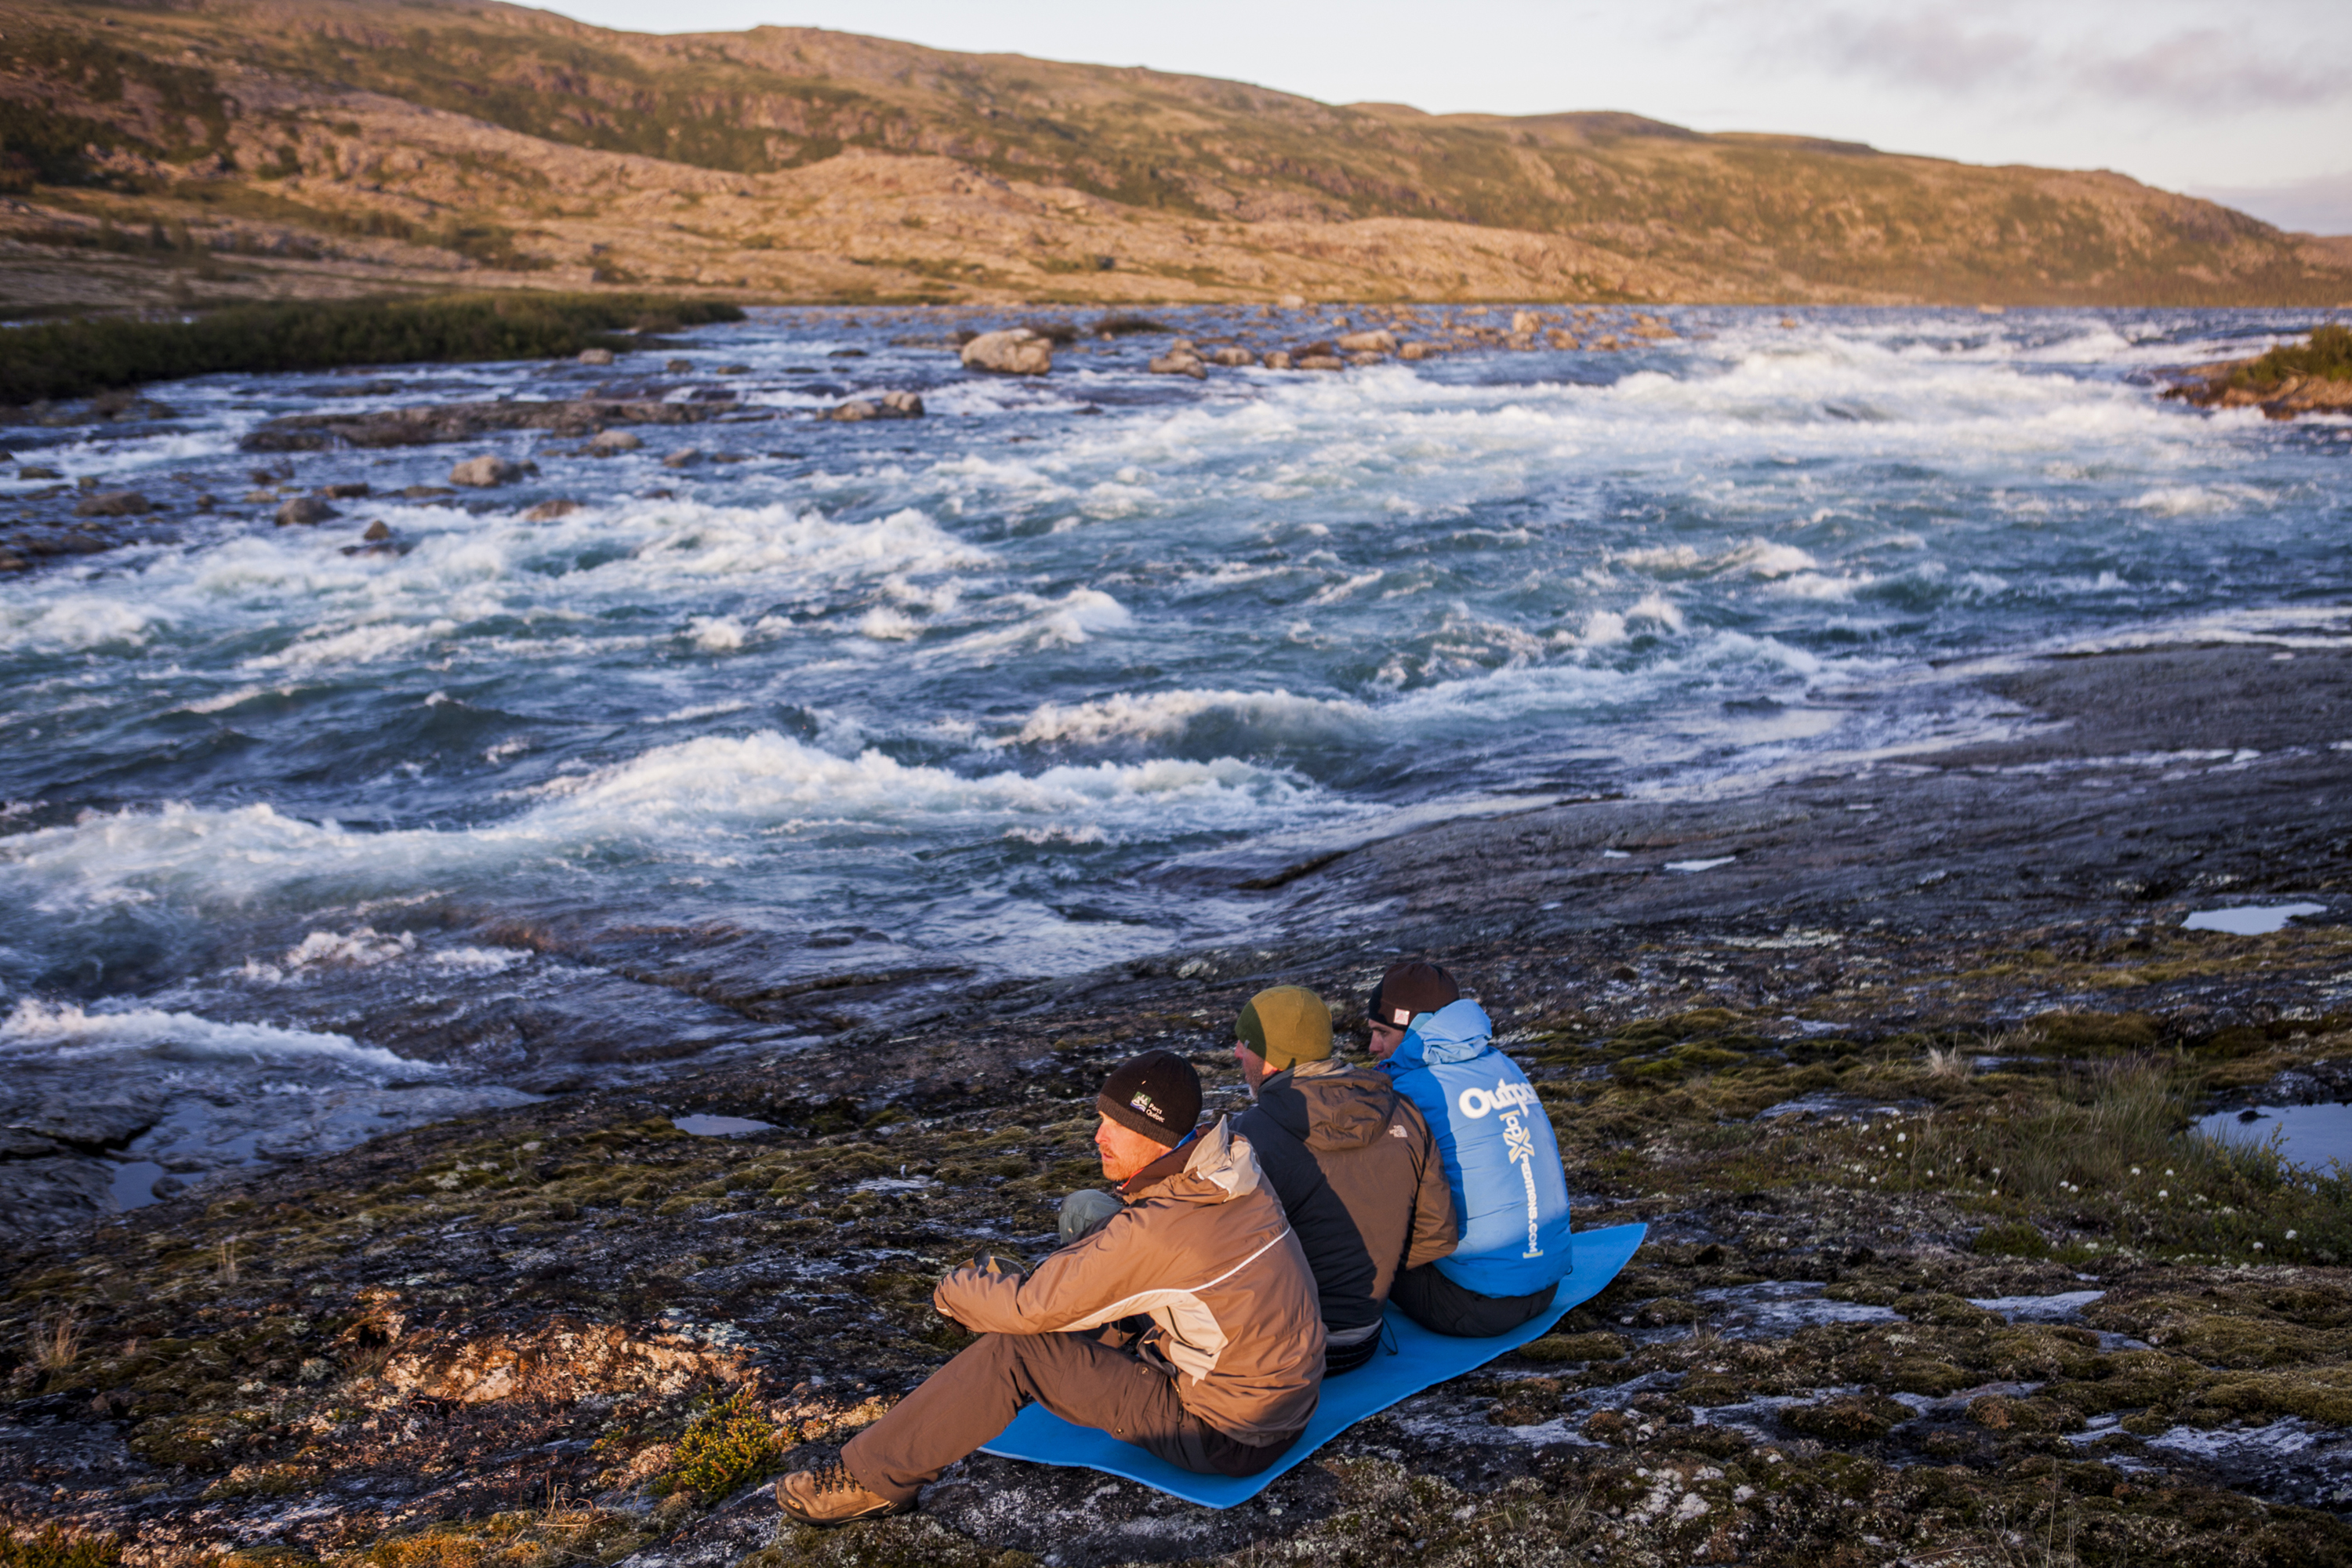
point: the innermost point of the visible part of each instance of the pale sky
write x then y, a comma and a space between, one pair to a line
2251, 104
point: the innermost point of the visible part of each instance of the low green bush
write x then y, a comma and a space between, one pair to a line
77, 358
2327, 353
725, 1444
2017, 1240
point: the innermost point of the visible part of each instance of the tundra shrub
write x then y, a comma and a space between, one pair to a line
77, 358
2327, 353
725, 1445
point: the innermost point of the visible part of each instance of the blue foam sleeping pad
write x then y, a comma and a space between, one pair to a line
1422, 1360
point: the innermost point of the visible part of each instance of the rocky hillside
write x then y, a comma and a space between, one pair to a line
230, 146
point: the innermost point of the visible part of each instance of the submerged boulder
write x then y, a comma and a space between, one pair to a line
612, 443
113, 503
890, 406
305, 511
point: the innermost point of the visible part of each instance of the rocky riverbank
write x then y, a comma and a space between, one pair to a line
2311, 377
1895, 1060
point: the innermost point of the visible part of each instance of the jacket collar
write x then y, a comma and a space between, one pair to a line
1277, 1096
1213, 1157
1171, 1164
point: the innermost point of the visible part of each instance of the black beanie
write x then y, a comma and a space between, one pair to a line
1408, 990
1157, 1094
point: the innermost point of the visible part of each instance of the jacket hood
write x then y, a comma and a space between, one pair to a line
1330, 1106
1455, 1033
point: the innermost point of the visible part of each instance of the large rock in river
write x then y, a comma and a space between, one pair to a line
1015, 351
487, 470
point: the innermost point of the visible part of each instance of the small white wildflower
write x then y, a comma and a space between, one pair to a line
2258, 1246
2290, 1236
2163, 1193
1900, 1137
2135, 1169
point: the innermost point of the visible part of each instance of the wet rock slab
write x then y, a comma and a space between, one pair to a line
429, 425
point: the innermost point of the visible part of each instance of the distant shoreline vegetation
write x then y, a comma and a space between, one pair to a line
2326, 353
100, 353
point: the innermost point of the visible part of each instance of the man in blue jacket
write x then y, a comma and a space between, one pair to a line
1509, 1190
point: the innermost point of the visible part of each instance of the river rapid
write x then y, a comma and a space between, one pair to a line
298, 844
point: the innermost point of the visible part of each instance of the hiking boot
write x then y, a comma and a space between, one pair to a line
829, 1495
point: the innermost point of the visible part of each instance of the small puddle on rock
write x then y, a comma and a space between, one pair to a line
2064, 1307
719, 1126
2249, 920
2310, 1135
895, 1185
133, 1185
2289, 1460
1776, 1309
1823, 1103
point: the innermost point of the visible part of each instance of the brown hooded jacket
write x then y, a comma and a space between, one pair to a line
1363, 1181
1203, 1248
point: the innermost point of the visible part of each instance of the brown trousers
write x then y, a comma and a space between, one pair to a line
1079, 1377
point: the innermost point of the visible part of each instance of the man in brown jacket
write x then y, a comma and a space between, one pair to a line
1351, 1160
1222, 1382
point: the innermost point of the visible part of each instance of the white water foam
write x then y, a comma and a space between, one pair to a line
1158, 715
716, 801
65, 1031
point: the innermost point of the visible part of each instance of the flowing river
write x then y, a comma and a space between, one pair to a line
299, 843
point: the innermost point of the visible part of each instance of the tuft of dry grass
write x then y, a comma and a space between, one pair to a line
56, 1342
52, 1548
365, 1361
1952, 1063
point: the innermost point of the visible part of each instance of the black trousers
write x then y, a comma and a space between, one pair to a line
1443, 1307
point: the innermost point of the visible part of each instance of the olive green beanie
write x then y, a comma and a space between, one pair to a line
1287, 1026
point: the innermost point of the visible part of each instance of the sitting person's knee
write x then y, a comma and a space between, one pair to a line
1085, 1213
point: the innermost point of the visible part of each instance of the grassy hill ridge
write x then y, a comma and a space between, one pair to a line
800, 163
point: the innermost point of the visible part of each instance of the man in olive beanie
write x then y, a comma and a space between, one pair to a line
1351, 1160
1222, 1381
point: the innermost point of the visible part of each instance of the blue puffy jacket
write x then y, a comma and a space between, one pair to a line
1508, 1188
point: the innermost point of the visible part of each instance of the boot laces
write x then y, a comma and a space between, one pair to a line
835, 1477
